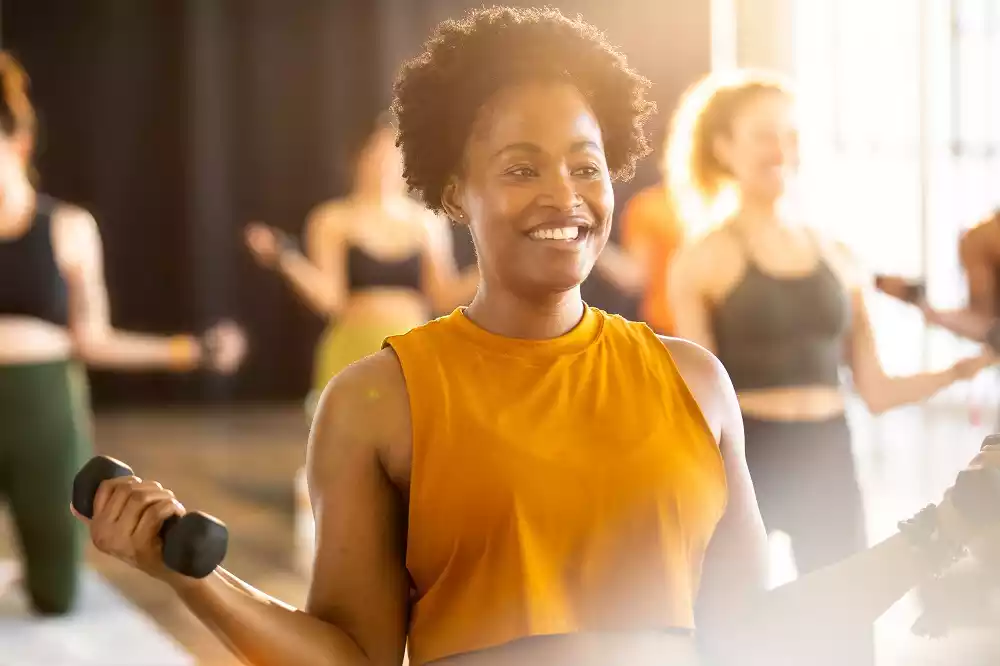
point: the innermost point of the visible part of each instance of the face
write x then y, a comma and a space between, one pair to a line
535, 189
380, 165
762, 149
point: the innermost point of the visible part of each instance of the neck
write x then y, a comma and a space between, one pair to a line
18, 204
505, 314
758, 214
371, 197
759, 208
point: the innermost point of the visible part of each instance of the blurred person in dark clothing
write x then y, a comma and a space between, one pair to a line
54, 318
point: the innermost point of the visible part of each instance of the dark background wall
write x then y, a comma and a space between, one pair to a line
175, 122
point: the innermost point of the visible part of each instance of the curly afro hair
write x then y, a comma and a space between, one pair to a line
465, 62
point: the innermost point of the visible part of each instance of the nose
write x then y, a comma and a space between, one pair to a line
560, 191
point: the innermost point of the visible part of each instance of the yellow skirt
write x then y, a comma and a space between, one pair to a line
344, 343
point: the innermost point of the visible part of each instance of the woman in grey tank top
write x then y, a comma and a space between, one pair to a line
782, 308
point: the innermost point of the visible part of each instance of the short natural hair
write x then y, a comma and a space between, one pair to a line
465, 62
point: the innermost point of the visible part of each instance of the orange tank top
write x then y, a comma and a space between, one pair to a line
557, 486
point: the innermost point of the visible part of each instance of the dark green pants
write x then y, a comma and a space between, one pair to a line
44, 438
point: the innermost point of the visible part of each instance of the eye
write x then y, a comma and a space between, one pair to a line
521, 172
589, 171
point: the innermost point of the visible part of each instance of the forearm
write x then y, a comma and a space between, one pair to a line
125, 350
964, 323
904, 390
621, 269
308, 282
809, 613
263, 631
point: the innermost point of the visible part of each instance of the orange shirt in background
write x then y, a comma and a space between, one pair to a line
650, 229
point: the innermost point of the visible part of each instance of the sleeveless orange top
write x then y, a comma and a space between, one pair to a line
558, 486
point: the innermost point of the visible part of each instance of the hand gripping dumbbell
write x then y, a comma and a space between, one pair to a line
964, 597
193, 544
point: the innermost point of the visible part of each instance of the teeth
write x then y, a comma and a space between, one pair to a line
565, 233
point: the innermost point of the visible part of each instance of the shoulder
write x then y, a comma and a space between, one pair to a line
371, 383
435, 229
71, 218
329, 217
75, 233
701, 254
706, 379
983, 238
364, 405
844, 261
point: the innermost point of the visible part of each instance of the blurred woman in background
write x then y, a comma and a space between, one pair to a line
652, 234
376, 263
54, 315
782, 306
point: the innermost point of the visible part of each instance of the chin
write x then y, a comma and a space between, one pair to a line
558, 282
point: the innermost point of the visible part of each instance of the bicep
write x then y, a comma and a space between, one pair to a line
359, 578
82, 258
690, 308
326, 248
861, 349
736, 563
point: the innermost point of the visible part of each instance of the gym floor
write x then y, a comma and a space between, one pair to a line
241, 467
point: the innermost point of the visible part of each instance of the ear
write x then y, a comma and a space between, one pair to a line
452, 201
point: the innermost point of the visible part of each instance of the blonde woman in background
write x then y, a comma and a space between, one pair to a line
782, 306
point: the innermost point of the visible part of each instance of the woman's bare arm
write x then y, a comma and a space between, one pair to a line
688, 299
879, 390
319, 277
358, 600
79, 250
740, 620
978, 251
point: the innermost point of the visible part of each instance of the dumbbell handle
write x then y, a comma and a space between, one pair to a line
193, 544
97, 471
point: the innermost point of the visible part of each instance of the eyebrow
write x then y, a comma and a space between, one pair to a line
527, 147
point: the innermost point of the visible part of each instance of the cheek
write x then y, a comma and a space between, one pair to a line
498, 203
600, 198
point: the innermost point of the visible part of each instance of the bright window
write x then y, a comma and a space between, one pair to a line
900, 102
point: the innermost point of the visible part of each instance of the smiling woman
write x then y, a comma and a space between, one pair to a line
524, 171
529, 480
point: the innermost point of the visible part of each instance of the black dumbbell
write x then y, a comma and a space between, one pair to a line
193, 544
977, 492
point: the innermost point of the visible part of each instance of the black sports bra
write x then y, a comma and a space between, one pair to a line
777, 332
365, 271
31, 284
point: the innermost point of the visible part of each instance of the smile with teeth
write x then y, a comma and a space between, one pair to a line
563, 233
